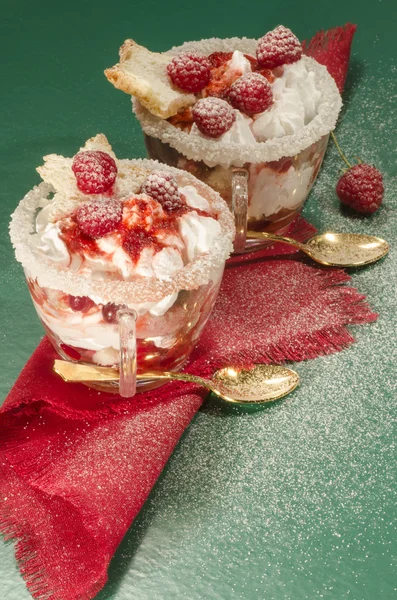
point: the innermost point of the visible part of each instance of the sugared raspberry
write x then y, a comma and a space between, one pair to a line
361, 188
109, 312
213, 116
162, 186
80, 303
190, 72
278, 47
99, 217
95, 171
251, 94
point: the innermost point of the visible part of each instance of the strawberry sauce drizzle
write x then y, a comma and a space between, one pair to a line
132, 239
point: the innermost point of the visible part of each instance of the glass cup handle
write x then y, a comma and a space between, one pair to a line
127, 333
240, 206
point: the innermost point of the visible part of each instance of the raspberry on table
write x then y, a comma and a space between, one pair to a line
213, 116
278, 47
251, 94
162, 186
99, 217
190, 72
95, 171
361, 188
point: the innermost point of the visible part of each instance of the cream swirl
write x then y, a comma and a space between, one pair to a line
296, 100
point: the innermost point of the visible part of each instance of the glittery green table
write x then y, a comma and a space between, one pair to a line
293, 502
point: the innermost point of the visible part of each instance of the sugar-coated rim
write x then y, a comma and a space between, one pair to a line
196, 273
214, 152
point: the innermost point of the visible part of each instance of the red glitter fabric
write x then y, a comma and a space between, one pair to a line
77, 465
332, 49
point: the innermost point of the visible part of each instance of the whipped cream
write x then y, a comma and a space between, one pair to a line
198, 233
90, 332
238, 63
296, 100
271, 191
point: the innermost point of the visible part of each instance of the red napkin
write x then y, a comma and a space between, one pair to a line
332, 49
76, 465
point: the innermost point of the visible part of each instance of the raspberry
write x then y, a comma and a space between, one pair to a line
278, 47
99, 217
213, 116
162, 186
251, 94
361, 188
80, 303
95, 171
109, 312
190, 72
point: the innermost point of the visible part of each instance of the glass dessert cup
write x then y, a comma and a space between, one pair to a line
265, 183
264, 196
139, 324
159, 343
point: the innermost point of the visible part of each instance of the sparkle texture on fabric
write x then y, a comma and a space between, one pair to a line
332, 49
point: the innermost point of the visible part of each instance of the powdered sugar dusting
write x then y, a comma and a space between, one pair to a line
140, 289
229, 153
190, 72
278, 47
162, 186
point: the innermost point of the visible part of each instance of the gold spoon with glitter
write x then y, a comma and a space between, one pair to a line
335, 249
259, 385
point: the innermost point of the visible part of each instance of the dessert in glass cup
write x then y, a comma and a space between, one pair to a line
102, 237
249, 118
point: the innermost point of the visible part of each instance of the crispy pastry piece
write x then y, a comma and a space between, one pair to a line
143, 74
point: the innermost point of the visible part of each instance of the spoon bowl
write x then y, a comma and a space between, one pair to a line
257, 385
336, 249
346, 249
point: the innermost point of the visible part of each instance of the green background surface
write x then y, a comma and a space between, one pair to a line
293, 502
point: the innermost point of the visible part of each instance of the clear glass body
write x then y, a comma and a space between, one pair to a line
83, 331
276, 190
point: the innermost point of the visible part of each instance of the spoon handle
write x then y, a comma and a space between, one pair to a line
259, 235
78, 372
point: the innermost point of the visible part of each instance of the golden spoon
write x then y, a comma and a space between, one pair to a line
261, 384
335, 249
